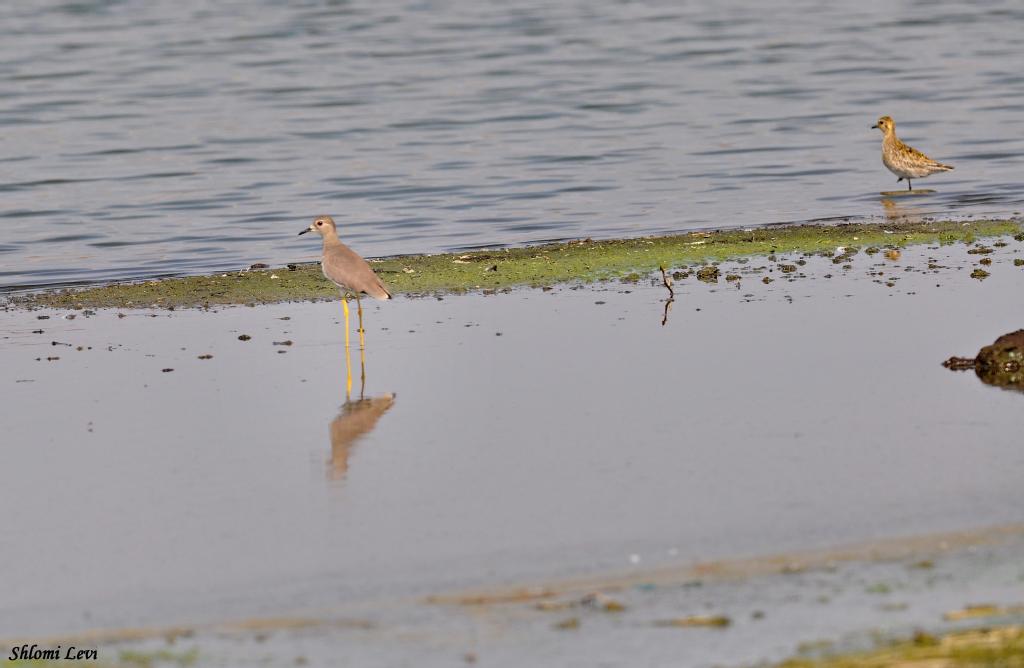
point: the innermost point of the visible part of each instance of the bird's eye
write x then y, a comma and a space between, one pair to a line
319, 223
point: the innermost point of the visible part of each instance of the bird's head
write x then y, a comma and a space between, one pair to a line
885, 124
322, 225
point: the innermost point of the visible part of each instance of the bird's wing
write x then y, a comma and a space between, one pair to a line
916, 155
345, 267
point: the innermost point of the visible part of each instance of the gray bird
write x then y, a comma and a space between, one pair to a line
351, 273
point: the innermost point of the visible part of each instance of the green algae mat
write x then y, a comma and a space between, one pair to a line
536, 266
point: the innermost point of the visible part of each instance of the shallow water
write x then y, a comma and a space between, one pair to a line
145, 140
530, 435
838, 607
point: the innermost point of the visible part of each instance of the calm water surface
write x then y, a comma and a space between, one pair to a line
143, 139
513, 438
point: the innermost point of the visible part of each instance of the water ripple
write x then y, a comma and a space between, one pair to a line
475, 124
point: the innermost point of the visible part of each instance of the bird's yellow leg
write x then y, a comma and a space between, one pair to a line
348, 357
344, 305
359, 309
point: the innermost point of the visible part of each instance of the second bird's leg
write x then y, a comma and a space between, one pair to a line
362, 348
359, 309
909, 187
362, 373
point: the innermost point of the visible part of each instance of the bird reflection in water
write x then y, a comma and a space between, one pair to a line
356, 419
899, 212
348, 372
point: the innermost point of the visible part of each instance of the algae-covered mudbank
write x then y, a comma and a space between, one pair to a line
536, 265
965, 649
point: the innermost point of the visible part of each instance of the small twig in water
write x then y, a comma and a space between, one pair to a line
667, 280
959, 363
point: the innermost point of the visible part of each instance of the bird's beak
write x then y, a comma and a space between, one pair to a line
875, 126
308, 229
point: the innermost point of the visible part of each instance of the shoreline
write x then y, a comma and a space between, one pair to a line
532, 266
960, 637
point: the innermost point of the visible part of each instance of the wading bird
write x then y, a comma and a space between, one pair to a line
351, 273
902, 160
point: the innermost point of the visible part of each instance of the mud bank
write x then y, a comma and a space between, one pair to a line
531, 266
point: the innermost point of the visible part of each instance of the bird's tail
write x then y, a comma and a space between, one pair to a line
943, 167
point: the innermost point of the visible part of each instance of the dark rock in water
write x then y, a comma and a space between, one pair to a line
708, 274
1000, 364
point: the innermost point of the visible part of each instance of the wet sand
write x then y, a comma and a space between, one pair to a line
532, 437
